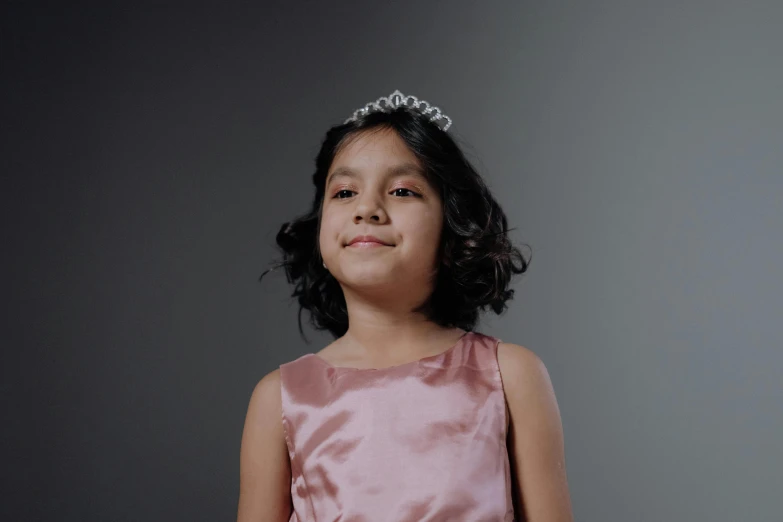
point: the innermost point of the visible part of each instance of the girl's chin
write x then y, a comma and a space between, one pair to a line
371, 275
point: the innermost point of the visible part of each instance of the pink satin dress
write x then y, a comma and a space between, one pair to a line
422, 441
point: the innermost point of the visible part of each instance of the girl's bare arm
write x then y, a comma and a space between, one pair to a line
264, 468
535, 441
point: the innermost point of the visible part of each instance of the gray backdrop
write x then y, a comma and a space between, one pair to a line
150, 157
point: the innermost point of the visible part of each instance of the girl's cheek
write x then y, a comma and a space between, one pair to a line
329, 231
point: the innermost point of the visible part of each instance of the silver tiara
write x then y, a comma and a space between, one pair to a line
396, 100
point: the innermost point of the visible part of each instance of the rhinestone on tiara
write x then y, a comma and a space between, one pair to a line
396, 100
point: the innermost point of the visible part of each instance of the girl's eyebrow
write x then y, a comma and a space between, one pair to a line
395, 171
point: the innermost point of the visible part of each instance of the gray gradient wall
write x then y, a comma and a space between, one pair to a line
151, 156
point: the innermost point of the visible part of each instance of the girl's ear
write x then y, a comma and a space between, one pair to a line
445, 254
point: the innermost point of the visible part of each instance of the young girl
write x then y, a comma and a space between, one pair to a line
410, 414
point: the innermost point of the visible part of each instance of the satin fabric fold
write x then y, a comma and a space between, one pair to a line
422, 441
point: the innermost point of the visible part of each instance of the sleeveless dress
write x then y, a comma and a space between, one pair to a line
421, 441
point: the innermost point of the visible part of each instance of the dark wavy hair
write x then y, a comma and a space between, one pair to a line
477, 260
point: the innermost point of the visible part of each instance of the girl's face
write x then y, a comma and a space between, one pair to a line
376, 187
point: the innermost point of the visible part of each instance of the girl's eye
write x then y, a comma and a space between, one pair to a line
345, 193
338, 195
404, 190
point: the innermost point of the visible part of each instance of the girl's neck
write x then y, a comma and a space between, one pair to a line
386, 327
393, 341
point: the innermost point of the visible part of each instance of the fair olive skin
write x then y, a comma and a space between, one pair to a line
375, 187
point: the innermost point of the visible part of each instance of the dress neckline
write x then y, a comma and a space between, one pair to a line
440, 355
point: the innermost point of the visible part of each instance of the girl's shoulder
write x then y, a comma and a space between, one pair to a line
517, 361
526, 381
266, 393
328, 353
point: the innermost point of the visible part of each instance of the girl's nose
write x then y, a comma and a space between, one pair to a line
369, 209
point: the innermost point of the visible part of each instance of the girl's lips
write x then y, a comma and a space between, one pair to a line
367, 244
367, 240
